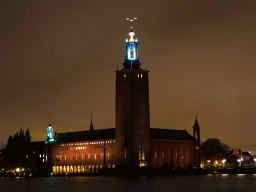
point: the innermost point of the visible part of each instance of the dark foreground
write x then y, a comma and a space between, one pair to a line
176, 183
141, 172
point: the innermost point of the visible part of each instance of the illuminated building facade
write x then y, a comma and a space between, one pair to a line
132, 143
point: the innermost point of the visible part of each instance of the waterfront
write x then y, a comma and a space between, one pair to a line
186, 183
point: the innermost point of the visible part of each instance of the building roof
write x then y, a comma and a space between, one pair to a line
162, 134
85, 135
170, 134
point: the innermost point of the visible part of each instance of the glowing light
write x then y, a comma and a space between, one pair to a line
131, 36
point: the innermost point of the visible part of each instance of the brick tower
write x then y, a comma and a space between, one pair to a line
132, 109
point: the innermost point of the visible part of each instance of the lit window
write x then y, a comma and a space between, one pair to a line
140, 75
89, 156
46, 158
26, 156
65, 157
82, 157
95, 156
43, 160
124, 75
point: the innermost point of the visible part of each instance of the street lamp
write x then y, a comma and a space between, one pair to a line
208, 161
223, 162
240, 162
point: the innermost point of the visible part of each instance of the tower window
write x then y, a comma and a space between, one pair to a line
140, 75
124, 75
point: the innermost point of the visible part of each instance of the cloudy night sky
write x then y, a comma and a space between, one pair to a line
59, 57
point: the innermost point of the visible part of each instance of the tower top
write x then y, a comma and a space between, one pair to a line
132, 57
131, 33
196, 122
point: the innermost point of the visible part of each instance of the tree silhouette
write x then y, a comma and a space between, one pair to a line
17, 147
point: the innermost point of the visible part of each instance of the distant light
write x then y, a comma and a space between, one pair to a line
135, 17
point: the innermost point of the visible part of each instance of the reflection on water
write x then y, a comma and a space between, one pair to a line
209, 183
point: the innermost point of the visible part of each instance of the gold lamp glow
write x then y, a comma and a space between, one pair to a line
131, 33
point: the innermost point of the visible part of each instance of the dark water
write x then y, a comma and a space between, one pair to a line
205, 183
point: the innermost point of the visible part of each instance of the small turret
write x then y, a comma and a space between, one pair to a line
196, 130
49, 133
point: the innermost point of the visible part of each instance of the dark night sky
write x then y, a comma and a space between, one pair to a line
59, 57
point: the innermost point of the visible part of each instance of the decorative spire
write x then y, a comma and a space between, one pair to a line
196, 121
91, 126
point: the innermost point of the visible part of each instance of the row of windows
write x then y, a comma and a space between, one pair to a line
139, 75
84, 157
182, 154
91, 147
80, 168
87, 143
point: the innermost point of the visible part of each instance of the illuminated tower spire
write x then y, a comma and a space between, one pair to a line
132, 57
50, 132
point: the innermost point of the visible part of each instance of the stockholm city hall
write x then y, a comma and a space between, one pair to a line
132, 143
